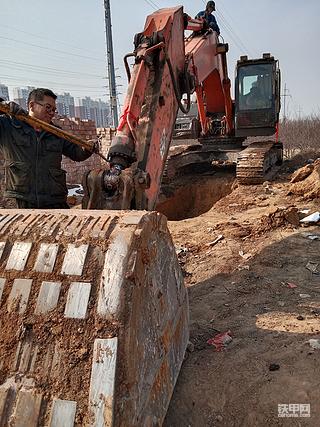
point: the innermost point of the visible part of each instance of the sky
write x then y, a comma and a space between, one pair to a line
61, 44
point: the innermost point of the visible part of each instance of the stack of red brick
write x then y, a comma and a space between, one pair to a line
84, 129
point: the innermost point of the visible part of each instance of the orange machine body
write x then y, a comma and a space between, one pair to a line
167, 65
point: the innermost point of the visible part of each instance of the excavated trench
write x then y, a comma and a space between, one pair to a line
194, 195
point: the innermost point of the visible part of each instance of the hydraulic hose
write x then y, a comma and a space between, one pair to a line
176, 89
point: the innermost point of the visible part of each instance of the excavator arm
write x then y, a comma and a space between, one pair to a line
146, 124
166, 66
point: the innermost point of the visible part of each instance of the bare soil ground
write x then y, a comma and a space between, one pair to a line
245, 284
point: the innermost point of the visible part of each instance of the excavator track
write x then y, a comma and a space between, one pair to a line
259, 162
93, 318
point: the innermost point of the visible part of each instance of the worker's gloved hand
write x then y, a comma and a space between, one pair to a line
16, 109
95, 145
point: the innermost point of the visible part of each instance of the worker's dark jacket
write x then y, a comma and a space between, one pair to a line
212, 22
33, 163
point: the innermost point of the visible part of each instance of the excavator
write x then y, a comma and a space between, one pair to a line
93, 308
224, 138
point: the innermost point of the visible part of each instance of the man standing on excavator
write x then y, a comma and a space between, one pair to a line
34, 177
207, 16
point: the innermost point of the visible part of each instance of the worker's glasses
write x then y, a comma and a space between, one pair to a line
48, 107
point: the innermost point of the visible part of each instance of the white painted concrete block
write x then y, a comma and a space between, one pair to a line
113, 274
2, 283
77, 300
18, 256
46, 257
2, 245
74, 260
19, 295
63, 413
48, 297
102, 382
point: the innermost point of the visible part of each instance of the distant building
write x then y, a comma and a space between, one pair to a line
4, 92
20, 95
84, 108
88, 109
65, 105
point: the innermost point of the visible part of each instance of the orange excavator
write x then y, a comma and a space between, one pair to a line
93, 309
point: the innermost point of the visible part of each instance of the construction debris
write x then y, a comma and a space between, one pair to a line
315, 344
291, 285
215, 241
220, 341
304, 296
245, 256
313, 267
280, 217
313, 218
311, 236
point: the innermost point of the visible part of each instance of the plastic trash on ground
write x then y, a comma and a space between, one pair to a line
315, 217
220, 341
315, 344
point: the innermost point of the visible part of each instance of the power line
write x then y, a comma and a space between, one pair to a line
152, 4
236, 39
234, 25
42, 69
3, 76
231, 32
52, 49
44, 38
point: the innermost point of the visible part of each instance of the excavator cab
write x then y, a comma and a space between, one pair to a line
257, 96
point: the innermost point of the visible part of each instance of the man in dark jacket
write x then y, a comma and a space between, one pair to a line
207, 15
33, 157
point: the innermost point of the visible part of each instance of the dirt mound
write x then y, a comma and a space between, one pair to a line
306, 181
302, 173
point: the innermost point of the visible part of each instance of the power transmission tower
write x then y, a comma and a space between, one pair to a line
299, 112
110, 64
285, 95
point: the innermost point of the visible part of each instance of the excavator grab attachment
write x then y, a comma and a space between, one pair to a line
93, 318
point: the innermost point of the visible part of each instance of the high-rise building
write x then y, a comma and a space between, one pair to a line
65, 105
84, 108
20, 95
88, 109
4, 92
